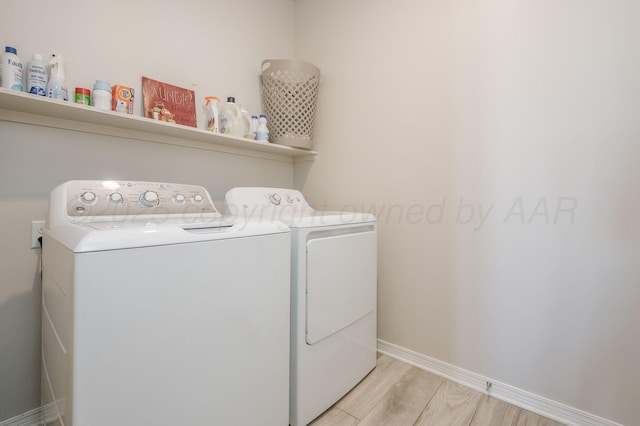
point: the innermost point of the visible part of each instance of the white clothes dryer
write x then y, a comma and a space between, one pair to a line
333, 294
157, 310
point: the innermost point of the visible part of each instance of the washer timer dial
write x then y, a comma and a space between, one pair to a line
149, 199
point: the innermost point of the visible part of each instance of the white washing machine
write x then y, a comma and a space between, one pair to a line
157, 310
333, 295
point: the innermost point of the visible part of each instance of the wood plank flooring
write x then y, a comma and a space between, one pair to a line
398, 394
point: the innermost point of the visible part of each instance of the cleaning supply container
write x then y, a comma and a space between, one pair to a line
211, 113
83, 96
57, 86
262, 132
36, 76
101, 95
290, 93
10, 69
230, 118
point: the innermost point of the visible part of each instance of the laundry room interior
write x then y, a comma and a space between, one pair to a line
495, 141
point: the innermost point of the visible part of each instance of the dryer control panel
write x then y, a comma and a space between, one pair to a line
273, 197
90, 198
265, 203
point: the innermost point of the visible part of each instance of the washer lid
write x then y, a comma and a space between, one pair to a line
100, 236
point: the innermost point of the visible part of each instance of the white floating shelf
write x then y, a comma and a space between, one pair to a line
25, 108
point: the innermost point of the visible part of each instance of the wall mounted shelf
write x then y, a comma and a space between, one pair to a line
25, 108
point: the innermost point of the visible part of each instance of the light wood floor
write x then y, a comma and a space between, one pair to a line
398, 394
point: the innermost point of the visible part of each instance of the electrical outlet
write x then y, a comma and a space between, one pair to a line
37, 229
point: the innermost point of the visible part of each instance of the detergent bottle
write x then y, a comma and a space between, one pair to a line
230, 118
36, 76
211, 113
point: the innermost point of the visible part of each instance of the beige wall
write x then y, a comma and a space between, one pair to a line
212, 47
426, 109
432, 110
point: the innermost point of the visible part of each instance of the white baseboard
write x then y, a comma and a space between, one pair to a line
37, 416
30, 418
518, 397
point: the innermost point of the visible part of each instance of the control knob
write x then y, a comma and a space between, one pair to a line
178, 199
275, 199
197, 199
88, 197
116, 198
149, 199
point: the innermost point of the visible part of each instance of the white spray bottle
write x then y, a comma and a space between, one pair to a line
57, 86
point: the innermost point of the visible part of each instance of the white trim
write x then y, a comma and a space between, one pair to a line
30, 418
518, 397
53, 411
37, 416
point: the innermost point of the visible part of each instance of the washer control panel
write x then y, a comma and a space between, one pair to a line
133, 198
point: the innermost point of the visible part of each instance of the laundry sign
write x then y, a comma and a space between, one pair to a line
168, 103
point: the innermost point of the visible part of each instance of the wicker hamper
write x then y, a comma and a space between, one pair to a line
289, 95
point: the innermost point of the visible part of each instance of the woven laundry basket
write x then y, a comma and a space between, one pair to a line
289, 95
